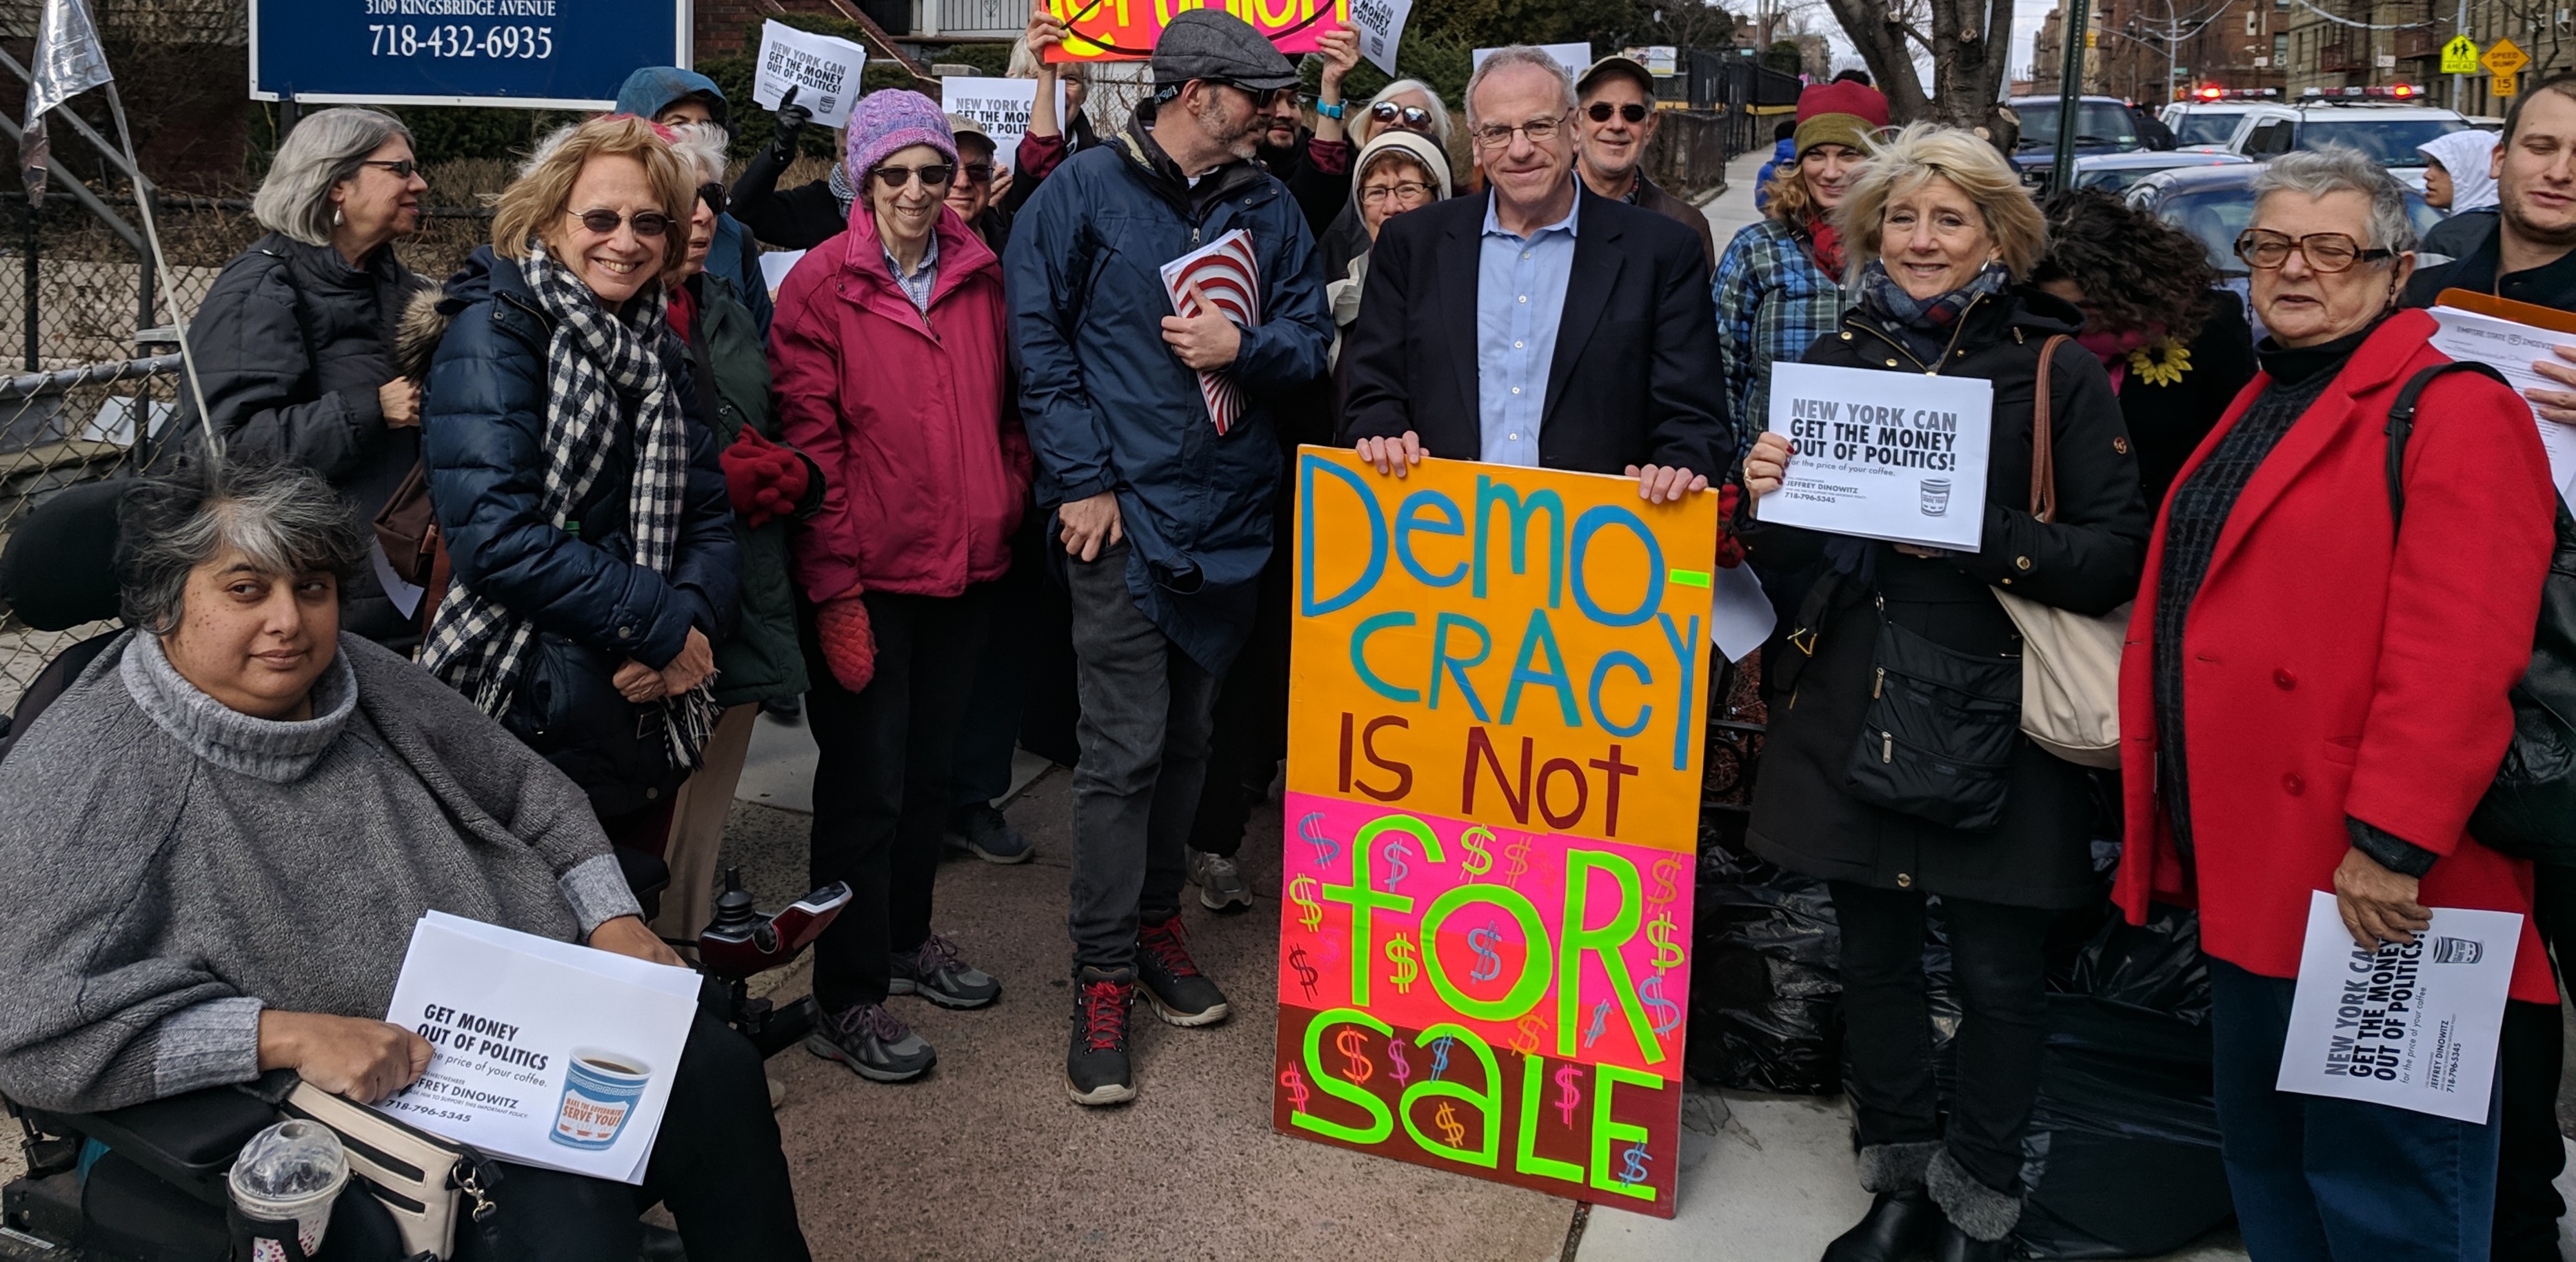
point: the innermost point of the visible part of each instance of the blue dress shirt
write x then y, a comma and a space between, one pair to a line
1520, 297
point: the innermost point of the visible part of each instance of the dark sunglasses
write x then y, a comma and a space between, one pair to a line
1602, 110
402, 168
978, 172
714, 196
1409, 117
647, 223
934, 175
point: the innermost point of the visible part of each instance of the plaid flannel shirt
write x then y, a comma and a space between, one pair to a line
1773, 302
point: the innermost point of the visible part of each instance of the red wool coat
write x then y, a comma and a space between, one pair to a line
909, 417
2331, 669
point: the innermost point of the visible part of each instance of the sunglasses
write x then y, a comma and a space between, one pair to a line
402, 168
1408, 117
934, 175
714, 196
647, 223
1602, 110
978, 172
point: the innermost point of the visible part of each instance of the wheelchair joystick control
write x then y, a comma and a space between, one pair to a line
734, 912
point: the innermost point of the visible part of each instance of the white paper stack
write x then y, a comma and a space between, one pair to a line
2512, 349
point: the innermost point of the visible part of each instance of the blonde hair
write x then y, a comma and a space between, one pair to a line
543, 191
1786, 196
1913, 157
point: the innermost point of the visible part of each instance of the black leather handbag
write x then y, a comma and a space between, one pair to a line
1936, 741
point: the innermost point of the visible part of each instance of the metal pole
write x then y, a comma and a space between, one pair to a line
161, 267
34, 273
2070, 91
2459, 81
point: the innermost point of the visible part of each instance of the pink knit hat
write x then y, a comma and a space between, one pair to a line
891, 119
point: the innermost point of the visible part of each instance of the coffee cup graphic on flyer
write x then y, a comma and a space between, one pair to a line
1936, 497
2458, 950
600, 1090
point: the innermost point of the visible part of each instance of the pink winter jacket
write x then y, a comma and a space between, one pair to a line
909, 417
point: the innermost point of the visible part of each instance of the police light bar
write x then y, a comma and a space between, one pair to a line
2213, 92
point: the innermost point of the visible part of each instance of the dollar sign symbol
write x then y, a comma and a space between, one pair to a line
1440, 1056
1306, 973
1349, 1041
1667, 1015
1600, 1014
1634, 1172
1396, 1067
1488, 965
1533, 1030
1406, 970
1667, 872
1296, 1084
1397, 868
1302, 892
1312, 829
1567, 1096
1660, 931
1448, 1124
1518, 854
1478, 861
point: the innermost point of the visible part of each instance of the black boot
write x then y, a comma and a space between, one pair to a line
1958, 1246
1899, 1227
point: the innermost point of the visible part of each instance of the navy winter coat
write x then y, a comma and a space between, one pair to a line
1109, 407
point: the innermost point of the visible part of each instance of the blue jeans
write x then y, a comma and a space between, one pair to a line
2317, 1178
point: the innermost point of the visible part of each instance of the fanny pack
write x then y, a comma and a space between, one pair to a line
422, 1180
1936, 741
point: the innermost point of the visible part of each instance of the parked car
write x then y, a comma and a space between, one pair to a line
2214, 204
2387, 133
2115, 172
2205, 124
2103, 125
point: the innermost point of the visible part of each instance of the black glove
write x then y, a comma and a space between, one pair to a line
791, 119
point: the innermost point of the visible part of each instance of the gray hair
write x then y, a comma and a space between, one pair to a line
2333, 169
1438, 108
702, 146
1518, 55
284, 519
323, 150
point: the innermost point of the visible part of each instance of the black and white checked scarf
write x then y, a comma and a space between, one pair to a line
480, 648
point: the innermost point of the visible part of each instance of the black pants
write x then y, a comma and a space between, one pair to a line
716, 1163
1999, 969
1251, 733
881, 793
1028, 633
2532, 1050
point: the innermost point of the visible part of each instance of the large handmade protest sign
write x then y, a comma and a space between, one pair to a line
1493, 803
1125, 30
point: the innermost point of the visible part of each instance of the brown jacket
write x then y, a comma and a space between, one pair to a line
1651, 197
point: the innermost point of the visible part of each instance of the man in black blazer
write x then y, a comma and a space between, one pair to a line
1541, 324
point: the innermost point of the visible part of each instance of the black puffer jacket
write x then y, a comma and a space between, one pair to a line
292, 345
2087, 561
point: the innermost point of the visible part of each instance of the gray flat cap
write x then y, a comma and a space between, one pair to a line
1215, 44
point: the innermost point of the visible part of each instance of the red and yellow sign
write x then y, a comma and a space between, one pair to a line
1125, 30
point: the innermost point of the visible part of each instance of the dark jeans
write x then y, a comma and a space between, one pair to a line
2533, 1048
1998, 968
716, 1163
1251, 733
1146, 711
881, 793
2318, 1178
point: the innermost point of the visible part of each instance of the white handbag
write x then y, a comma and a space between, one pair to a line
420, 1179
2070, 664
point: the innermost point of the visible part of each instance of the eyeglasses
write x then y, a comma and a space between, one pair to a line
2324, 251
647, 223
1539, 131
1408, 117
978, 172
713, 195
402, 168
1262, 98
1602, 110
1407, 191
934, 175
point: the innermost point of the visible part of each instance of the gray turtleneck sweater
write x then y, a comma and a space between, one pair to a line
174, 866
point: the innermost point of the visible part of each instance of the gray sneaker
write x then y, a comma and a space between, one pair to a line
937, 973
1220, 882
872, 1043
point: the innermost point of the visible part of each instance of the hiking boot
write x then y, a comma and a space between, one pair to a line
872, 1043
1220, 882
935, 972
1096, 1070
981, 830
1180, 993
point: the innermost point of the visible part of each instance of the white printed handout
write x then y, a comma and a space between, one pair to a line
1226, 272
1740, 615
1001, 107
824, 70
1380, 25
2414, 1026
775, 265
1576, 58
541, 1052
1882, 455
2511, 349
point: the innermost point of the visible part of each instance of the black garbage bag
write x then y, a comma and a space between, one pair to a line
2123, 1147
1764, 989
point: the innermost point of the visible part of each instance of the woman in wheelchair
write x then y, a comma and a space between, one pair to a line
218, 839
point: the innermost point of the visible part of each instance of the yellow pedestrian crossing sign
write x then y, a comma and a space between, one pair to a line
2503, 58
2460, 56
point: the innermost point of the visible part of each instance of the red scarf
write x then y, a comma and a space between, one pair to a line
1825, 246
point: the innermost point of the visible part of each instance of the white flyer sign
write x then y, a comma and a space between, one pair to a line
541, 1052
1380, 24
1001, 107
2512, 349
1576, 58
2414, 1026
824, 70
1883, 455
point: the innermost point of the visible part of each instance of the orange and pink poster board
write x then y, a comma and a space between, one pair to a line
1125, 30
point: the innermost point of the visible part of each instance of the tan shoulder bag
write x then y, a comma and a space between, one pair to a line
2070, 664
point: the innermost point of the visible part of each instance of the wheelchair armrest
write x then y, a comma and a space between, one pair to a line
188, 1140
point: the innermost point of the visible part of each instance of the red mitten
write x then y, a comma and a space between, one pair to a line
764, 479
849, 646
1730, 545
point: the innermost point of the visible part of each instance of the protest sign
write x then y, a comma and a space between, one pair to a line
823, 69
1001, 107
1380, 24
541, 1052
2511, 347
1492, 811
1125, 30
1883, 455
2413, 1025
1576, 58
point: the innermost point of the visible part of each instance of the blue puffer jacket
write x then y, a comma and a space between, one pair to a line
483, 421
1109, 407
1784, 151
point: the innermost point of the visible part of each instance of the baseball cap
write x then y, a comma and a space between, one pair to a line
1616, 64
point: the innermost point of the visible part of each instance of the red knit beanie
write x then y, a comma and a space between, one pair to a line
1843, 113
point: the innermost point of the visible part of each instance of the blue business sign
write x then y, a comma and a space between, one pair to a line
557, 54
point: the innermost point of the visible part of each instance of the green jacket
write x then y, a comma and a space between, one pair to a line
761, 659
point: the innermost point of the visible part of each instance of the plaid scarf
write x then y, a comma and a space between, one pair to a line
841, 190
1924, 322
593, 358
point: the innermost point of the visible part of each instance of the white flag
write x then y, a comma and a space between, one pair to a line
68, 62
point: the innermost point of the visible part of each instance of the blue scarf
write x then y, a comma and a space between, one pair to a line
1925, 324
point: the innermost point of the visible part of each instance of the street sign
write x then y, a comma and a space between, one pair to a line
2505, 85
2460, 56
539, 54
2504, 59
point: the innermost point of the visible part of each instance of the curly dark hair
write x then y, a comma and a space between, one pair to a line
2135, 270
